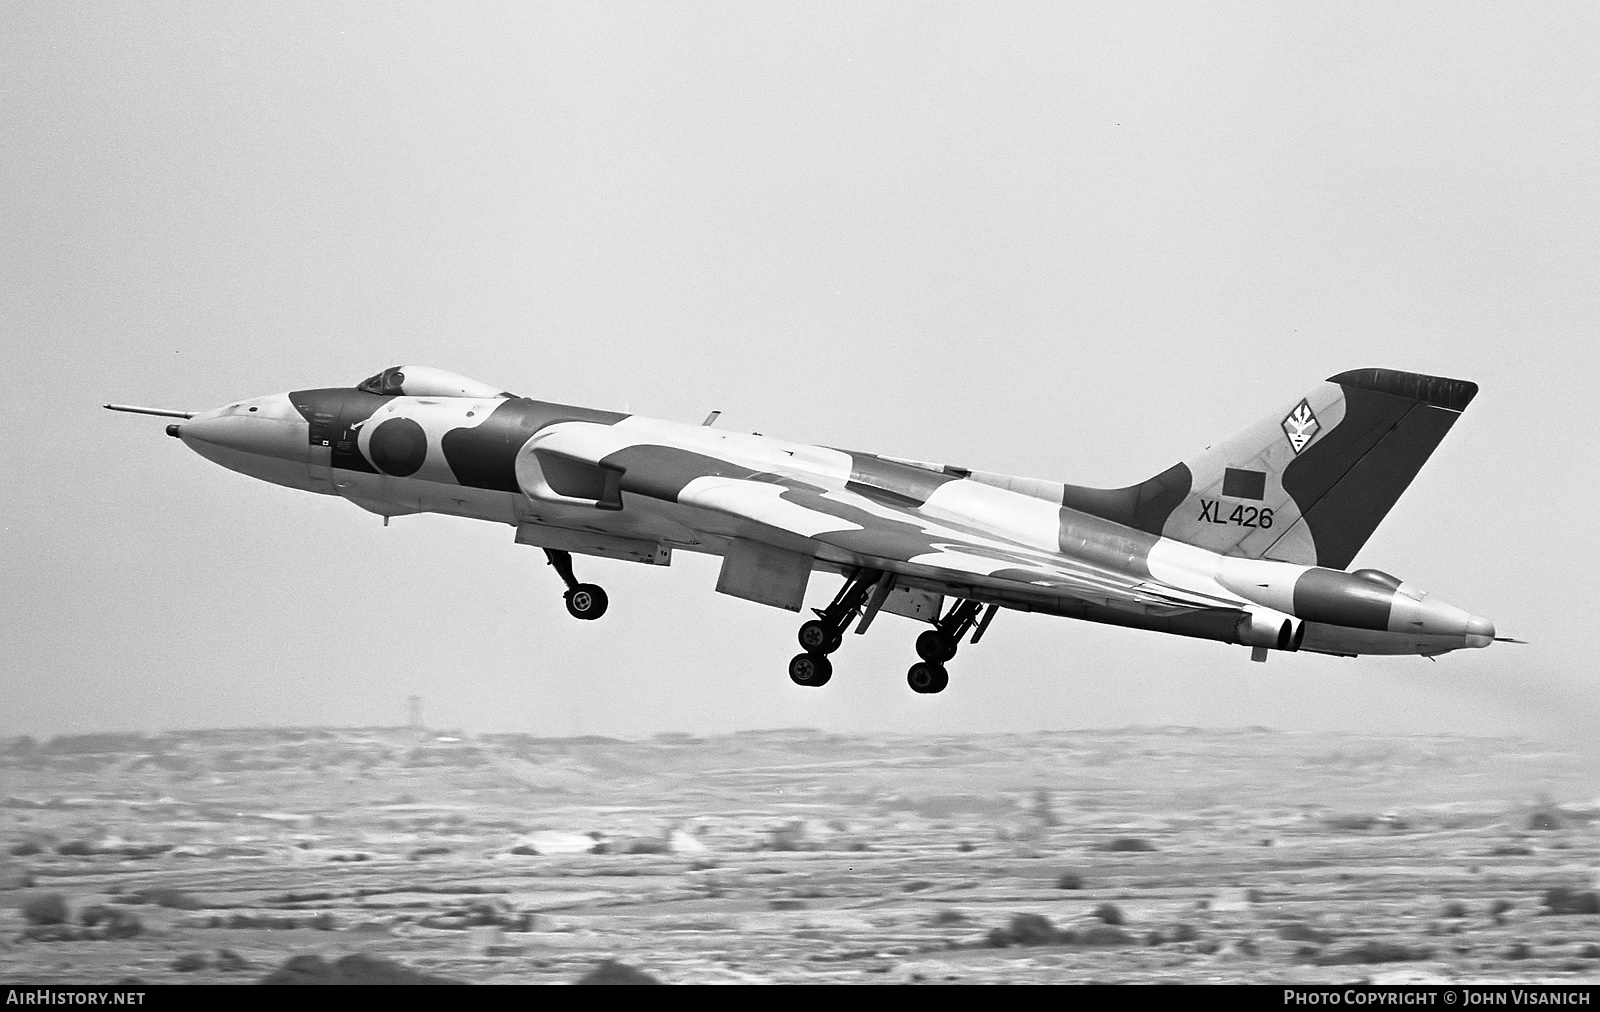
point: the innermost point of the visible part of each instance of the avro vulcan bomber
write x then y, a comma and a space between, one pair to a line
1246, 542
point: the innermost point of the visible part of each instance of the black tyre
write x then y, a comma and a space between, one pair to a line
925, 677
834, 643
810, 670
814, 638
586, 601
935, 647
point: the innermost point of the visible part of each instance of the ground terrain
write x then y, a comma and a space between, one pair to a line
796, 856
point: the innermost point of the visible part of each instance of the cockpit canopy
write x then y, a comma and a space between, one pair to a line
425, 381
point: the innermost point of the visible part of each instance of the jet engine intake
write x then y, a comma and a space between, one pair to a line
1263, 627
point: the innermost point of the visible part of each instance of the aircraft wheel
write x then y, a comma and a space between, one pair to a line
586, 601
834, 643
810, 670
927, 678
935, 647
815, 638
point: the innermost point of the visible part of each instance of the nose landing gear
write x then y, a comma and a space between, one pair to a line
584, 600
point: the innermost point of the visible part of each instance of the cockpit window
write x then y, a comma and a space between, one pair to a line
426, 381
386, 383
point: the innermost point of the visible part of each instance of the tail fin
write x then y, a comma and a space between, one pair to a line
1307, 484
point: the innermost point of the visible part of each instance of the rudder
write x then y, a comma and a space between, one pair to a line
1307, 484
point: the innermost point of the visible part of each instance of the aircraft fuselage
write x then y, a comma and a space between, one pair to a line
605, 483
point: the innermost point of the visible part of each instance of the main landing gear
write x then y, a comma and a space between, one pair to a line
938, 645
584, 600
823, 635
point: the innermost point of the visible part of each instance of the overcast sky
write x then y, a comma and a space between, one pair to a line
1075, 242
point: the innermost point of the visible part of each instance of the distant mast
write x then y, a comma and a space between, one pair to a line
414, 712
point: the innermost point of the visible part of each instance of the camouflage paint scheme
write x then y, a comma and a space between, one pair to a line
1246, 542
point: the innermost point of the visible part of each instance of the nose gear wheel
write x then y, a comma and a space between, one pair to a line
584, 600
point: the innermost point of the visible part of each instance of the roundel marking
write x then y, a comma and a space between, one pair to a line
398, 447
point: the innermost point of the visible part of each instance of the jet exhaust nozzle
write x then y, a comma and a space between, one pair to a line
1263, 627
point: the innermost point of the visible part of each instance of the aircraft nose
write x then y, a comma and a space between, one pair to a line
1480, 631
262, 427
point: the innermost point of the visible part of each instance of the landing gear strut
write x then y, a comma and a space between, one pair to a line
584, 600
938, 645
824, 634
